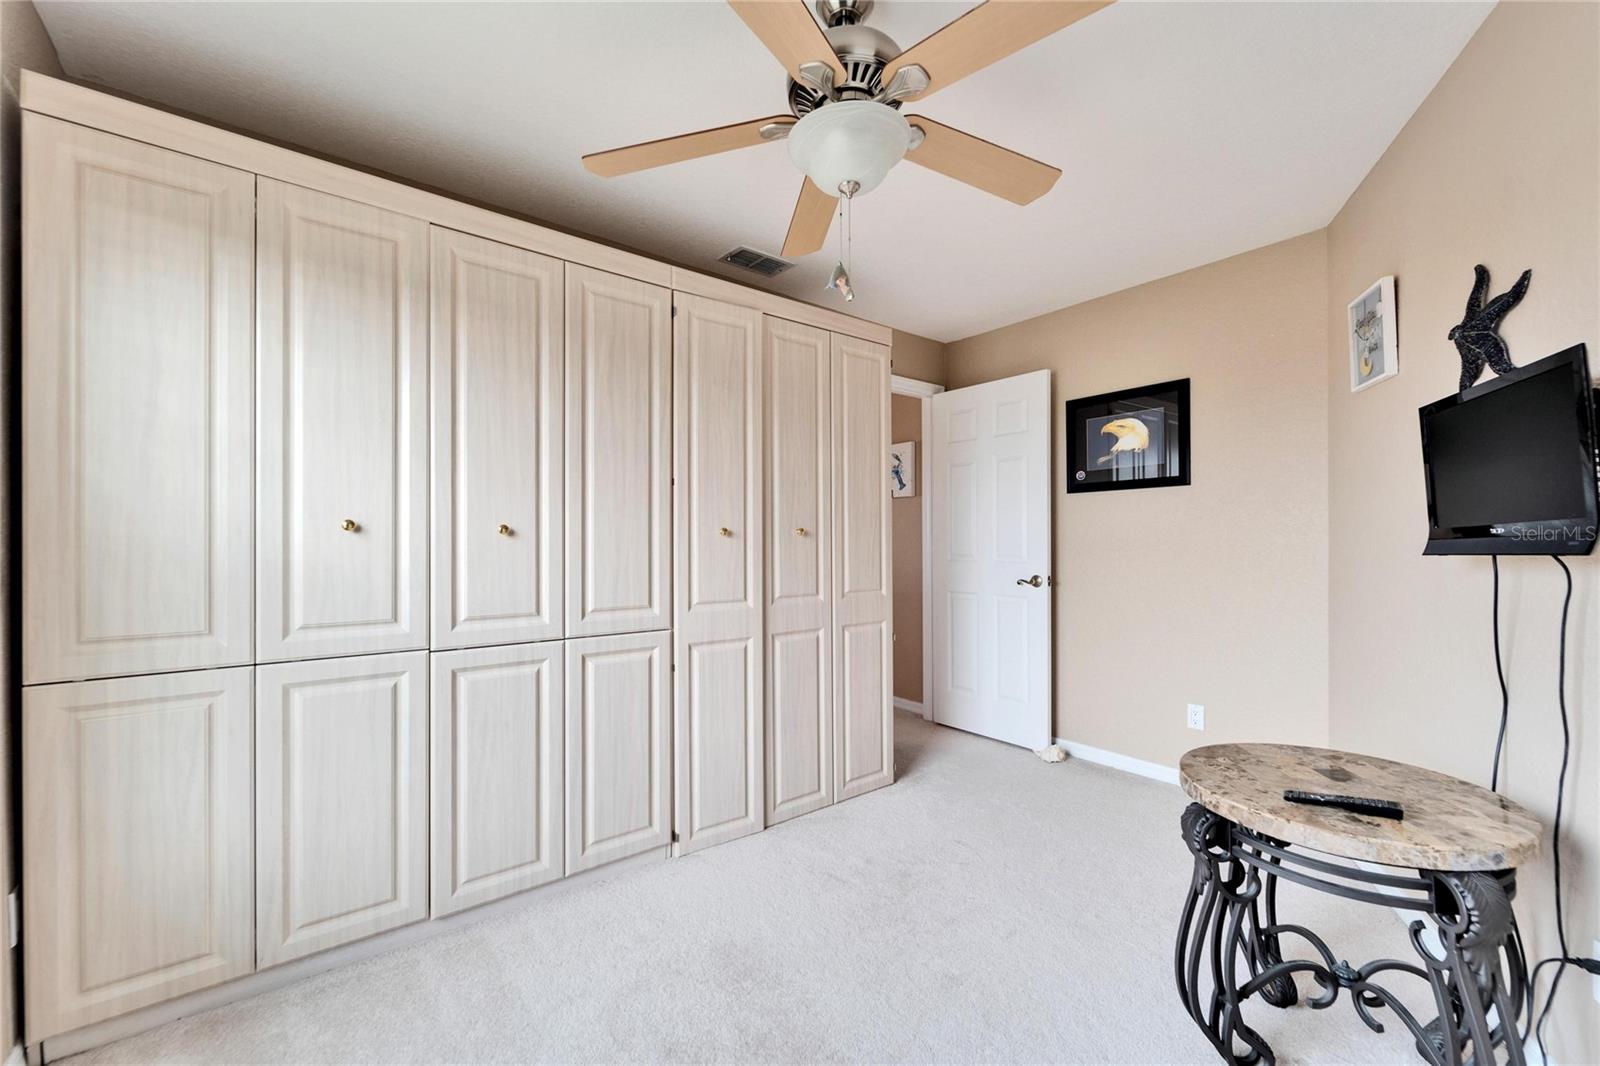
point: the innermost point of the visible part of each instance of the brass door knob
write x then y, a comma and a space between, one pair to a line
1035, 581
504, 530
349, 525
724, 532
800, 531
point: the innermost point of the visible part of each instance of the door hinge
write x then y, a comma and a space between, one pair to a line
674, 310
13, 919
674, 836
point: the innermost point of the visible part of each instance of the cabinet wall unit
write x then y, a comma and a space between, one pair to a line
137, 397
384, 556
619, 454
341, 801
618, 744
498, 472
497, 764
863, 596
799, 487
136, 842
342, 427
718, 684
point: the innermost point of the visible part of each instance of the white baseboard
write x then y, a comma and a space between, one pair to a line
913, 706
1116, 761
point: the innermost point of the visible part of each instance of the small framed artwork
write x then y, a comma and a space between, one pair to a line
1374, 338
903, 469
1133, 439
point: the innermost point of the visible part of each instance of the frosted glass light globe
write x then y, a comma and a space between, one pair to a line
852, 140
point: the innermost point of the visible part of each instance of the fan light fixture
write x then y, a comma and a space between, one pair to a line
849, 141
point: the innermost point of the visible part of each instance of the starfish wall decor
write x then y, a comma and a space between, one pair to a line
1477, 337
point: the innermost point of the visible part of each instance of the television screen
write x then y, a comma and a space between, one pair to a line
1510, 463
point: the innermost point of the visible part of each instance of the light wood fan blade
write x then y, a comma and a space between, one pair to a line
986, 34
790, 33
1007, 174
813, 215
684, 146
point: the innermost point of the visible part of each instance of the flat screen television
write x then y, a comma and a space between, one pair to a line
1510, 463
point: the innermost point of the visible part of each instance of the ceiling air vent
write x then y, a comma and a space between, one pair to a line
758, 262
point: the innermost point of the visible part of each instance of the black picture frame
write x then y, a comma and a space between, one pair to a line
1098, 464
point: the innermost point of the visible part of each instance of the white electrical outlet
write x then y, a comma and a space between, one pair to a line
1197, 716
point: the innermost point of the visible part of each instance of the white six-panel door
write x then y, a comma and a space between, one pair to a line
498, 472
718, 686
341, 801
799, 522
989, 456
137, 383
619, 454
618, 747
136, 839
863, 594
342, 427
497, 762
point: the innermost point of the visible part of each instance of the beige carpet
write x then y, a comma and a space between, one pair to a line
987, 907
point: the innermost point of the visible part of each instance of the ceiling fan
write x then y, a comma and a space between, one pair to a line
846, 87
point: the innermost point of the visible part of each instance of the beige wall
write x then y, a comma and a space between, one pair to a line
23, 44
918, 357
905, 423
1215, 593
1500, 166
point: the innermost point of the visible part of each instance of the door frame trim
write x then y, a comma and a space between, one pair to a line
923, 391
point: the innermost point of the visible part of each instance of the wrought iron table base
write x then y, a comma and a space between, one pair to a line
1231, 947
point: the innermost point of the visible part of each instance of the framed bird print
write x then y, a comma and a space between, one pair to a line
1374, 339
1133, 439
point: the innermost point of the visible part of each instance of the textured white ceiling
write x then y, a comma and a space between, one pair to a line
1187, 132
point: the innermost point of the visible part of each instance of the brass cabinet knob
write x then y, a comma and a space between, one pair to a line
724, 532
800, 531
349, 525
504, 530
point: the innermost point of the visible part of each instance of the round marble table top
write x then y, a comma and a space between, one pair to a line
1449, 824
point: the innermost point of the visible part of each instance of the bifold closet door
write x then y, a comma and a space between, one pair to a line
619, 454
862, 623
799, 488
342, 426
137, 836
137, 479
498, 474
497, 767
341, 801
618, 747
718, 686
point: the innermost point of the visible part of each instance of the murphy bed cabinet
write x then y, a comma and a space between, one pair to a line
386, 556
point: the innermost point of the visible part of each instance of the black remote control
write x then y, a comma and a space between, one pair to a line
1356, 804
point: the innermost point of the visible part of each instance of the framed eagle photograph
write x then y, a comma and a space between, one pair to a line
1133, 439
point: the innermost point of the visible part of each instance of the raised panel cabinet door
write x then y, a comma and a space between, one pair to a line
497, 766
138, 837
799, 486
342, 427
341, 801
618, 770
718, 685
497, 442
137, 386
863, 752
619, 454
